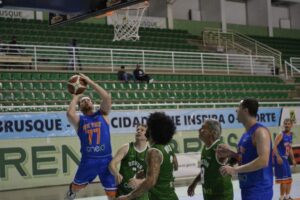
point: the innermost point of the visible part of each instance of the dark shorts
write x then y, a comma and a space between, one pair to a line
283, 172
253, 194
89, 169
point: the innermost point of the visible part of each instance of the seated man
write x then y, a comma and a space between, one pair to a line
140, 75
123, 75
13, 48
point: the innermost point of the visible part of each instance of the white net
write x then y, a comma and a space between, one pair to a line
127, 22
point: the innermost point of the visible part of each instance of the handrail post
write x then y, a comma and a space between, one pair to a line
227, 63
256, 48
35, 58
274, 66
280, 64
74, 59
251, 63
202, 67
285, 66
143, 57
112, 60
173, 62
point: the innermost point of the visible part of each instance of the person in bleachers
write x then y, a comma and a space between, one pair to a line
13, 48
123, 75
140, 75
74, 55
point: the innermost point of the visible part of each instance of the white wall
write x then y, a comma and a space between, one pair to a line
157, 9
295, 16
181, 8
235, 12
279, 13
251, 13
210, 10
257, 12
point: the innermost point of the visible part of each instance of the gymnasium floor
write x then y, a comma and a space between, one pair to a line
93, 192
181, 191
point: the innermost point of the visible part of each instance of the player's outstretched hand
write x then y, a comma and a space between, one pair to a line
294, 164
86, 78
223, 151
227, 170
134, 182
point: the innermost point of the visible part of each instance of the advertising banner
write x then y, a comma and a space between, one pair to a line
42, 149
56, 124
16, 14
291, 112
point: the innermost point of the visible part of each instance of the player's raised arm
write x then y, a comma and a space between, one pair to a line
105, 106
275, 148
113, 165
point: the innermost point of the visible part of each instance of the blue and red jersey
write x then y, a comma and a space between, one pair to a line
94, 135
259, 181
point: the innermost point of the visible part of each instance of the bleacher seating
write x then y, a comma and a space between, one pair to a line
288, 46
93, 35
49, 88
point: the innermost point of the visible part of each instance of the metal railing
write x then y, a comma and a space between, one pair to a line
238, 40
56, 108
100, 59
290, 70
295, 61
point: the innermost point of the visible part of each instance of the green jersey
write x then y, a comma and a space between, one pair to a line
133, 162
214, 185
164, 187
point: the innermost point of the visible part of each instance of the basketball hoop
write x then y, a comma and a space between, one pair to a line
126, 22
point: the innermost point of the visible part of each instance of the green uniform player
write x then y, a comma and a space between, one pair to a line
164, 188
159, 181
214, 185
131, 164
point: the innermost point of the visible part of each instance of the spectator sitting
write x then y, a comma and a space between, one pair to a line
123, 75
14, 49
140, 75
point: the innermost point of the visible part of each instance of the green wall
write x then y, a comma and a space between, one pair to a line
194, 27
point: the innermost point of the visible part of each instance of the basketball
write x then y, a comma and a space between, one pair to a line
76, 84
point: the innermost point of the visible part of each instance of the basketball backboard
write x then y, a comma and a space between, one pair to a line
65, 11
97, 8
